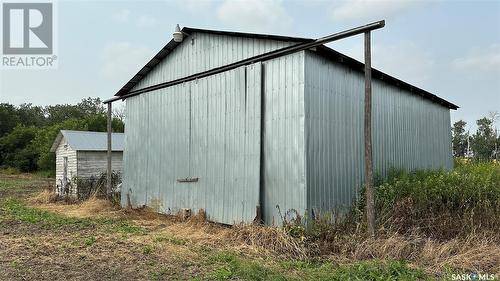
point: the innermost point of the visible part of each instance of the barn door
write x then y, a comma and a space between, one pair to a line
224, 144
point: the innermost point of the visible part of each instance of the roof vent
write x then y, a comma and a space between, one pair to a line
178, 36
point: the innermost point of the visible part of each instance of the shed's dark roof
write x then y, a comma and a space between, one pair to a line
89, 141
322, 50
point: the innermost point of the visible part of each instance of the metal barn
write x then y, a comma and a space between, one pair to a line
82, 154
272, 136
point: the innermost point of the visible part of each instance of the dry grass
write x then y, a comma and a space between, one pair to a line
473, 253
43, 197
477, 252
93, 207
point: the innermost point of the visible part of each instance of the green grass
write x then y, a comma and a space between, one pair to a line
88, 242
170, 239
229, 266
125, 227
147, 250
14, 183
14, 209
366, 270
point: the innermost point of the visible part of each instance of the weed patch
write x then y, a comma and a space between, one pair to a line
88, 242
441, 204
125, 227
170, 239
147, 250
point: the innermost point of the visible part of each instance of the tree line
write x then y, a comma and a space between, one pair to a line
482, 144
27, 132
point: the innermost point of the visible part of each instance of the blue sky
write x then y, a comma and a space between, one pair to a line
450, 48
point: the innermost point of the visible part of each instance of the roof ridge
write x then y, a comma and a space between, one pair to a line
93, 132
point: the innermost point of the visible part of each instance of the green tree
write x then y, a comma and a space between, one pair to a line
483, 141
61, 112
8, 118
459, 140
91, 106
30, 115
27, 132
46, 137
117, 125
16, 149
96, 123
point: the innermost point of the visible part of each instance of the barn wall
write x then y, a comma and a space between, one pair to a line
94, 163
284, 155
207, 51
409, 132
210, 128
64, 150
206, 129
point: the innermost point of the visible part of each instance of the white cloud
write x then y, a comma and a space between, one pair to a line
265, 16
146, 21
121, 16
404, 60
200, 7
126, 16
370, 10
483, 59
121, 60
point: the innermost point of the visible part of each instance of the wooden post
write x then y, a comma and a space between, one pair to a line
109, 168
370, 198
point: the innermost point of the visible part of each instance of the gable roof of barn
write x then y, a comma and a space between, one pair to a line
322, 50
89, 141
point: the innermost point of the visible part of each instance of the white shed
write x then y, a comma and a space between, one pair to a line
82, 154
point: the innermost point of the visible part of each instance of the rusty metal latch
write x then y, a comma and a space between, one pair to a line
188, 179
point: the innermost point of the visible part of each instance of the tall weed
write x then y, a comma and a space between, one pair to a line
441, 203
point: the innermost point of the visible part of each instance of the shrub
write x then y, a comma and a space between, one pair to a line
441, 203
435, 203
96, 186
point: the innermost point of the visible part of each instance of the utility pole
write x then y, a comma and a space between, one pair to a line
108, 170
370, 197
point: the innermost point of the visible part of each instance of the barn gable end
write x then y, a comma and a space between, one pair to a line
269, 140
203, 51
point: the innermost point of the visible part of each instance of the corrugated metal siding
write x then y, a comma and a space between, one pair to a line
93, 141
207, 51
209, 129
409, 132
284, 155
